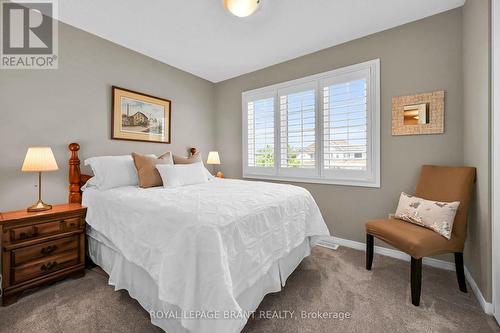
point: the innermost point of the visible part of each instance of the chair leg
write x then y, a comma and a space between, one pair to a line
459, 267
369, 251
416, 280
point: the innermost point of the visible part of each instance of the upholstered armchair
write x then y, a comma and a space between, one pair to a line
436, 183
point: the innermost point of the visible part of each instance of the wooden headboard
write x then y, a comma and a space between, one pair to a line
77, 179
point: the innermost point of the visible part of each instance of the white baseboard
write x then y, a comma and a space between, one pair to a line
331, 242
487, 307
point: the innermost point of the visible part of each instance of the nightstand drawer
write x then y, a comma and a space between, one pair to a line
73, 223
34, 269
37, 230
30, 253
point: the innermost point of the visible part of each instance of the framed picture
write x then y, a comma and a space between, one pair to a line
140, 117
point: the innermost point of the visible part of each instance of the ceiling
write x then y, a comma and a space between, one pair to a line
200, 37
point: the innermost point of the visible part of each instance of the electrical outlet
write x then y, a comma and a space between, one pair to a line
391, 216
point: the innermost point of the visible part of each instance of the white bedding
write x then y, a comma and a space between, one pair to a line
205, 244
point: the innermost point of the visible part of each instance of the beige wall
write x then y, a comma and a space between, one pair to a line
73, 103
418, 57
476, 137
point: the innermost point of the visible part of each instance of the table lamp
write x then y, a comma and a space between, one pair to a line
39, 159
213, 158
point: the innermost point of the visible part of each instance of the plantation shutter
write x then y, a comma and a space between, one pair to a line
324, 128
297, 112
345, 124
260, 133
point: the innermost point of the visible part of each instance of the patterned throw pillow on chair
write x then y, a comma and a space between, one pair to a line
435, 215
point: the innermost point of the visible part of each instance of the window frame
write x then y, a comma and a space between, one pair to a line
368, 178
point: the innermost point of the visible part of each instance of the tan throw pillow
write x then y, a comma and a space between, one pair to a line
435, 215
146, 168
196, 158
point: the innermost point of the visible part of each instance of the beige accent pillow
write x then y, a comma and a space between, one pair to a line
196, 158
435, 215
146, 168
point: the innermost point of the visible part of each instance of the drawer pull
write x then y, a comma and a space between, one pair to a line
49, 249
73, 223
49, 266
25, 235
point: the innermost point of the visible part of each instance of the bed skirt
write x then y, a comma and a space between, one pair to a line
124, 274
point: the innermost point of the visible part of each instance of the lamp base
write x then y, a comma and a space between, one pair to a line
39, 206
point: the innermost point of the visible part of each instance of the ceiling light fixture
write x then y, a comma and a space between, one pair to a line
241, 8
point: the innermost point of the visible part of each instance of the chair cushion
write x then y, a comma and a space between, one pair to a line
415, 240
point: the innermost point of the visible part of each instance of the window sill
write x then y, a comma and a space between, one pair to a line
350, 182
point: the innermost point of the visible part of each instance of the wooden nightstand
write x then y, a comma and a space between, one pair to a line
39, 248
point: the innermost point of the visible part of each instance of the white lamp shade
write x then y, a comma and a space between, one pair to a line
213, 158
241, 8
39, 159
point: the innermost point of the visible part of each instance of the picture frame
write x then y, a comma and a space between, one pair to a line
140, 117
418, 114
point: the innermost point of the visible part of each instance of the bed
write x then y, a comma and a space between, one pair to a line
198, 258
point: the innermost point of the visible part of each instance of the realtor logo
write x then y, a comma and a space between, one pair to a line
29, 34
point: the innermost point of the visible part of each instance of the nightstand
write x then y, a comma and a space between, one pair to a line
40, 248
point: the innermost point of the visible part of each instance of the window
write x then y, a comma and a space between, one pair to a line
324, 128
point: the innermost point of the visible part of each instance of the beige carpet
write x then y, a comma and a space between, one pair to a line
328, 281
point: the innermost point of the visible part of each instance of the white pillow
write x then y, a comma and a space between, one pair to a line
113, 171
182, 174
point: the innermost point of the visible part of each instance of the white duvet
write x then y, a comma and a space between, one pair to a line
205, 244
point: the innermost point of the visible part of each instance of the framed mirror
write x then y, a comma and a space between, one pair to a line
418, 114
